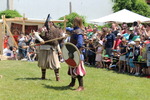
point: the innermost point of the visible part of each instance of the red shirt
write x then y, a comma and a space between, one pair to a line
16, 38
118, 41
5, 43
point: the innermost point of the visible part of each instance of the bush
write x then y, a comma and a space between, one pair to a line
10, 13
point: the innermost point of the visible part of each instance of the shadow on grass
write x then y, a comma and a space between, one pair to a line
28, 78
57, 87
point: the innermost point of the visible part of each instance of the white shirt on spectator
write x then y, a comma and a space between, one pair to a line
8, 52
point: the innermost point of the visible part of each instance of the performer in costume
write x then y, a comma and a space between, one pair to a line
77, 39
48, 55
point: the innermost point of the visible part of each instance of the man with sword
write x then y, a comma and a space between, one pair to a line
49, 51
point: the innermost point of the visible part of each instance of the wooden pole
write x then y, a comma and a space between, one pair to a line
65, 24
1, 39
8, 29
70, 7
23, 24
11, 35
2, 34
3, 18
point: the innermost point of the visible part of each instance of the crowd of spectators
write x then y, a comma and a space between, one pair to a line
124, 47
25, 51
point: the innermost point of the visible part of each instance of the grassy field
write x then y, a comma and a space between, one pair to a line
21, 81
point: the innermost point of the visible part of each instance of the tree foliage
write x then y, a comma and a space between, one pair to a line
137, 6
10, 13
70, 18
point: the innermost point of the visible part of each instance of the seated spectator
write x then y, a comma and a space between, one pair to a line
8, 52
107, 61
31, 52
115, 60
15, 53
22, 48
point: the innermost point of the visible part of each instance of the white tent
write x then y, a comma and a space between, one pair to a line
122, 16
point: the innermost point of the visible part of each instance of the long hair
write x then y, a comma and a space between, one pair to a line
77, 22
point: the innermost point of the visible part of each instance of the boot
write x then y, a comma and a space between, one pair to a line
43, 73
57, 74
80, 80
72, 84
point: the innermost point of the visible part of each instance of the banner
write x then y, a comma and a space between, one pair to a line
29, 28
18, 28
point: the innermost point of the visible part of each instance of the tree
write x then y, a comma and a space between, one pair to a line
10, 13
137, 6
70, 18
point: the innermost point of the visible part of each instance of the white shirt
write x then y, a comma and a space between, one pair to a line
8, 52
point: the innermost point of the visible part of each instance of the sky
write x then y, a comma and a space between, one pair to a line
39, 9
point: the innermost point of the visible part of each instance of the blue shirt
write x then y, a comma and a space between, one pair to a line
110, 40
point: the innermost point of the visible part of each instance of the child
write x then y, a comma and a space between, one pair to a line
142, 59
98, 58
115, 60
107, 61
15, 52
31, 52
123, 51
137, 52
130, 57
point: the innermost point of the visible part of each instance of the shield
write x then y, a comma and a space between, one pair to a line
71, 54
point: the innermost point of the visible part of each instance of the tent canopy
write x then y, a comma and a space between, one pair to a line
122, 16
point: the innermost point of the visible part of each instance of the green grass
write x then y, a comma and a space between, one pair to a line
21, 82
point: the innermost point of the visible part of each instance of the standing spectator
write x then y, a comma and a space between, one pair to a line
16, 36
117, 41
130, 57
131, 33
143, 59
91, 53
6, 41
148, 55
95, 33
122, 59
98, 58
115, 28
109, 44
124, 28
137, 53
